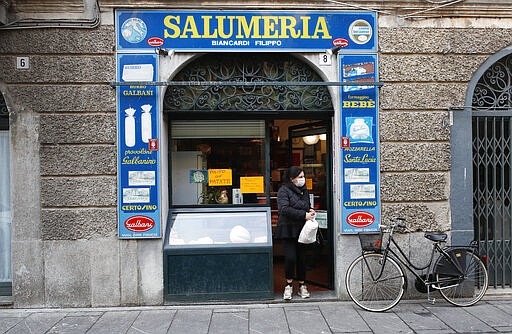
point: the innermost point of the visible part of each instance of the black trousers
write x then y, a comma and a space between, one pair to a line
294, 259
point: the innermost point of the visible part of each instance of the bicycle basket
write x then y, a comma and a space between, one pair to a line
370, 241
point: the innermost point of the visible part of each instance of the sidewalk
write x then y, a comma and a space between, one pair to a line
491, 315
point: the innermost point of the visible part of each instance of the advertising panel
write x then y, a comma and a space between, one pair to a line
360, 173
236, 30
138, 171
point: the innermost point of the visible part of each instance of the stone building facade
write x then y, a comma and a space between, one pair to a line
65, 249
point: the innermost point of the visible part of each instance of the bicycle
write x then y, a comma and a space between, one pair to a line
376, 280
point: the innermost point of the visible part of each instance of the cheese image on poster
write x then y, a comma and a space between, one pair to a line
129, 127
359, 129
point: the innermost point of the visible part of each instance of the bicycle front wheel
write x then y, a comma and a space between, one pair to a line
373, 284
468, 289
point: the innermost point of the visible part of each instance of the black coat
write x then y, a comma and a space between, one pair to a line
293, 204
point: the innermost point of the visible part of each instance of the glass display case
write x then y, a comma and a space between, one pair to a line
218, 254
222, 229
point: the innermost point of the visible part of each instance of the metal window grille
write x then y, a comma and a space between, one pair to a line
234, 67
492, 163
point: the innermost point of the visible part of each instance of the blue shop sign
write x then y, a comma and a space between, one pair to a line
138, 161
236, 30
360, 147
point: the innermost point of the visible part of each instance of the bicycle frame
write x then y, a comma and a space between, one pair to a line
404, 261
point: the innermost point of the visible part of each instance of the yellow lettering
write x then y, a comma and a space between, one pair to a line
321, 28
190, 27
248, 28
359, 104
305, 26
222, 31
269, 27
207, 33
168, 23
239, 26
288, 24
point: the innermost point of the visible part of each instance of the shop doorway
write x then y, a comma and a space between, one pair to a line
306, 144
253, 131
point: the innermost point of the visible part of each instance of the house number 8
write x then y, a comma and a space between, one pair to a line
324, 59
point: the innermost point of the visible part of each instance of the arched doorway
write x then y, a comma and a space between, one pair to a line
5, 202
488, 168
286, 113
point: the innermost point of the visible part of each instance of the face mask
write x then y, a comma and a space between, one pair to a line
301, 182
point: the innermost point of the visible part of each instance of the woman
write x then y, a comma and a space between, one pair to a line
294, 209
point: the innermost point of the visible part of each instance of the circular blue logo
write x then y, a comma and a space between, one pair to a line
134, 30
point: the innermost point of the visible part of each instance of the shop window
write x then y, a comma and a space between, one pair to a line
218, 162
5, 202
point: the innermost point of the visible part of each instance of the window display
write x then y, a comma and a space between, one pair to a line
224, 229
218, 162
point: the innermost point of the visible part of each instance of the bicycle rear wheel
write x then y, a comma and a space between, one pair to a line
466, 290
369, 290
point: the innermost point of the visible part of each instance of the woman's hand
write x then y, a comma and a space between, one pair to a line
310, 214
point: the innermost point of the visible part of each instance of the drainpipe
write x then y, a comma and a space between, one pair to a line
91, 19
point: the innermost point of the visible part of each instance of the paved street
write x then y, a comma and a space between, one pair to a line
491, 315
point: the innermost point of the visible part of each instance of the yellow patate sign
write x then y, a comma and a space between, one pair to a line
252, 185
220, 177
309, 184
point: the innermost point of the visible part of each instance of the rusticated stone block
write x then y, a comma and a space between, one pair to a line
78, 191
28, 273
73, 224
421, 96
128, 272
78, 160
415, 68
443, 40
56, 98
86, 41
434, 216
414, 187
67, 273
419, 156
71, 129
72, 69
149, 259
105, 280
414, 126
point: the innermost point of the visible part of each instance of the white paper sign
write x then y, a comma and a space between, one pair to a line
138, 72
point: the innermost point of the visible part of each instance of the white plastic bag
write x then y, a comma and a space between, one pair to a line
308, 233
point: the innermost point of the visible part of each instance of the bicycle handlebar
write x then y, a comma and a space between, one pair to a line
394, 224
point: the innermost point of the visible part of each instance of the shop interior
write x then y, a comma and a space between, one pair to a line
252, 149
305, 144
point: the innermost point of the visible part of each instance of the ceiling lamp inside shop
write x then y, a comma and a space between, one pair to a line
311, 140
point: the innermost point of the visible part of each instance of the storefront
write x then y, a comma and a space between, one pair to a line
147, 141
253, 94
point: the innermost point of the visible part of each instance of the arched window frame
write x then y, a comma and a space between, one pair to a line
461, 177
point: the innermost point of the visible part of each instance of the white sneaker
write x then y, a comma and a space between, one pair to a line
303, 292
287, 295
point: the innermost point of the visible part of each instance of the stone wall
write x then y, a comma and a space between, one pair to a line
65, 246
425, 72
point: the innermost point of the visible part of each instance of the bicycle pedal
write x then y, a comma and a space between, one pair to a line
432, 301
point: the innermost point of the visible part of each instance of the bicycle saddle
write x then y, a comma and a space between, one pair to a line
435, 236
